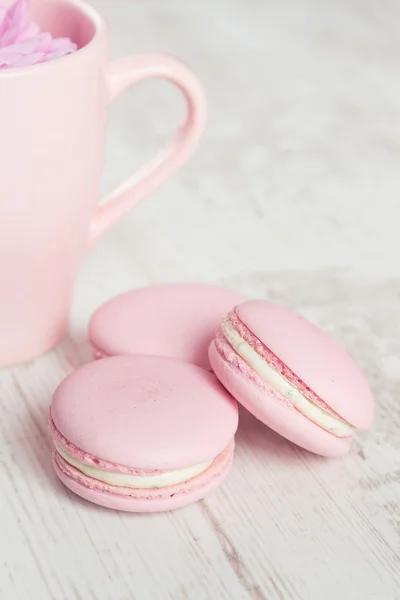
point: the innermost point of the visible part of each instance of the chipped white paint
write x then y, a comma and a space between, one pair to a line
295, 189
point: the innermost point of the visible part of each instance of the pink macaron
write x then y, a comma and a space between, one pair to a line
175, 320
142, 433
292, 376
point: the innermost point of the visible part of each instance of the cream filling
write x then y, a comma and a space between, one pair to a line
164, 479
311, 411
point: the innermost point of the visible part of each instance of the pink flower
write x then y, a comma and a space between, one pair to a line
21, 42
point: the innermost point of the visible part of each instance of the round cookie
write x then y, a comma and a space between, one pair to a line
292, 376
175, 320
142, 433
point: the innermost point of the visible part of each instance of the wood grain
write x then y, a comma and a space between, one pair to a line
292, 196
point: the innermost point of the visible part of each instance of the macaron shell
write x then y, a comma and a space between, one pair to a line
215, 476
314, 357
269, 409
175, 320
145, 412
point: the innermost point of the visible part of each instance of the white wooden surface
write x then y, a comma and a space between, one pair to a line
293, 196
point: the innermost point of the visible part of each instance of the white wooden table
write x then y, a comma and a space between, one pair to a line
293, 196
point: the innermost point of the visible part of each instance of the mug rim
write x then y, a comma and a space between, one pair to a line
99, 28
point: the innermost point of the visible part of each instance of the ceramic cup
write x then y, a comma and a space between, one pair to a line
52, 124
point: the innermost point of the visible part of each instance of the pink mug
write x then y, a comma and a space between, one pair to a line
52, 124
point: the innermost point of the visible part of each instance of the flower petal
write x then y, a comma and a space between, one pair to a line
14, 21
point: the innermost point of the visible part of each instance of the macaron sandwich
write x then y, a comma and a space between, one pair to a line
292, 376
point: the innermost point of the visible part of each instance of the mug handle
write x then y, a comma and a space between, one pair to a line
122, 73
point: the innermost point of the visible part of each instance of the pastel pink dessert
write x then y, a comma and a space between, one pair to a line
142, 433
176, 320
292, 376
